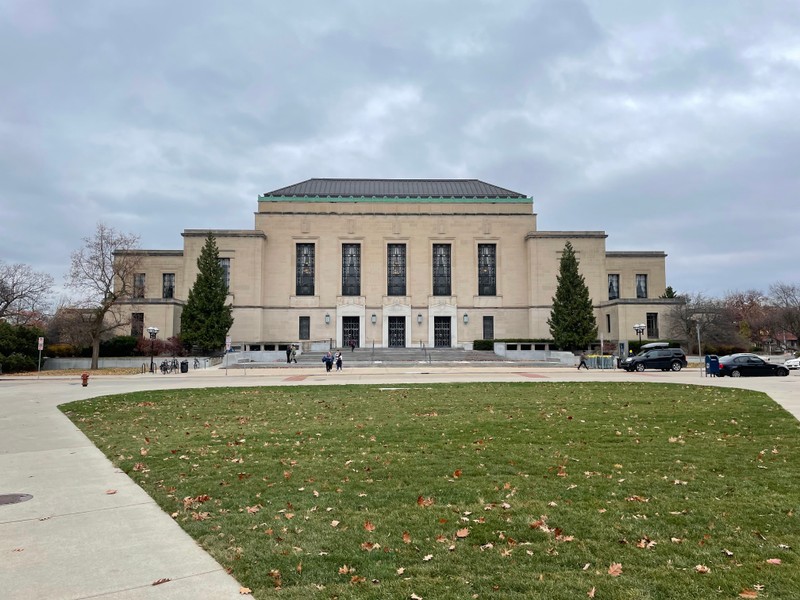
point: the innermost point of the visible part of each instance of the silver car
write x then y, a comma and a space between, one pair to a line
792, 363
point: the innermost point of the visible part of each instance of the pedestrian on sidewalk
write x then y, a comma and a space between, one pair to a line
293, 355
338, 360
328, 360
288, 353
582, 362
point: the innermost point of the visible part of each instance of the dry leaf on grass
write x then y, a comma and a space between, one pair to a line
748, 593
244, 590
615, 570
702, 569
773, 561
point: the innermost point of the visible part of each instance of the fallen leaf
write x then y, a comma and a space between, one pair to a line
462, 533
615, 570
427, 557
401, 570
748, 593
244, 590
369, 526
110, 492
160, 581
415, 597
773, 561
702, 569
334, 523
590, 593
421, 501
457, 473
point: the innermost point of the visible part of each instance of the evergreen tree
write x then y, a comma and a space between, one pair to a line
206, 318
571, 321
669, 293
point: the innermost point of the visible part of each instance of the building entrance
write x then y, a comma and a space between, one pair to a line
351, 330
441, 332
397, 332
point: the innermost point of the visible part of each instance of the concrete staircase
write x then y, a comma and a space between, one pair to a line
403, 356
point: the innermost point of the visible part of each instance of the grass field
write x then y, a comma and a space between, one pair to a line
543, 490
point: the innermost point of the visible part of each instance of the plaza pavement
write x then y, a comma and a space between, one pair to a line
73, 540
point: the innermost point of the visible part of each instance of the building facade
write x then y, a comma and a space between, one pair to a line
399, 263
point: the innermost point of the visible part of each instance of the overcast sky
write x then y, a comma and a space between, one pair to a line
671, 125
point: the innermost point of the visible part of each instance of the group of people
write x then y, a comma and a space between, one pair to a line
329, 360
291, 354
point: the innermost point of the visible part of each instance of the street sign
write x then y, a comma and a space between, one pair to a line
41, 344
228, 344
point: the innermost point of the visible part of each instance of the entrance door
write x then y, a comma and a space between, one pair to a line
351, 330
488, 328
397, 332
441, 332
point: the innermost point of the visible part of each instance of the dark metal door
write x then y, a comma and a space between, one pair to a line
351, 329
397, 332
441, 332
488, 328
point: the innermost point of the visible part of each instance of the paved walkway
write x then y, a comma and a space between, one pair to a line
75, 541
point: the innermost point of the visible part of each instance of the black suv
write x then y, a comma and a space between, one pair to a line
656, 356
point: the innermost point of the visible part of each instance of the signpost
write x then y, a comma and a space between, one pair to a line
41, 347
227, 349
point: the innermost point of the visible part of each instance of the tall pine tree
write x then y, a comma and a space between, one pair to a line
571, 321
206, 319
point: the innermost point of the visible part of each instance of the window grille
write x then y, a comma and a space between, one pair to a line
137, 324
304, 332
441, 270
487, 269
351, 269
652, 325
396, 270
225, 263
305, 270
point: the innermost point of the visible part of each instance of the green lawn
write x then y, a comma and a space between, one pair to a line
529, 490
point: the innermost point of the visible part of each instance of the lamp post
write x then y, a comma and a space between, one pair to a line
153, 331
639, 329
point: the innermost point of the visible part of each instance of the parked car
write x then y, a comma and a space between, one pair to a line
656, 355
749, 365
792, 363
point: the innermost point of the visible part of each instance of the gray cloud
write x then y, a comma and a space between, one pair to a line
671, 125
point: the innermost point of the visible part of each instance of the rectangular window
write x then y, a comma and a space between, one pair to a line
304, 271
441, 270
641, 286
613, 286
138, 285
168, 285
487, 269
608, 323
304, 328
652, 325
488, 328
225, 263
396, 270
137, 324
351, 269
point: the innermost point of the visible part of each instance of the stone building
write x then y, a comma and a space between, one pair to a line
399, 263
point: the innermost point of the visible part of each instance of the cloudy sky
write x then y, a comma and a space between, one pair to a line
672, 125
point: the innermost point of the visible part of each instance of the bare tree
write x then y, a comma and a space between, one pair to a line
706, 315
752, 315
785, 298
102, 274
23, 292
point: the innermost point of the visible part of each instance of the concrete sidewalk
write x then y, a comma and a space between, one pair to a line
73, 540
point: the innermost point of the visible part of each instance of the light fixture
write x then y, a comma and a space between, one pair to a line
374, 318
327, 319
639, 329
466, 318
419, 319
153, 331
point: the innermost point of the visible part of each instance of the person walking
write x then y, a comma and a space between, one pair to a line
328, 360
293, 354
289, 353
582, 362
352, 344
338, 360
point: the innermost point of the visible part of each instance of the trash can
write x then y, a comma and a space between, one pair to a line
184, 366
712, 365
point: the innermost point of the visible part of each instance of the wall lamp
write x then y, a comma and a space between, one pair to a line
466, 318
327, 319
374, 318
419, 319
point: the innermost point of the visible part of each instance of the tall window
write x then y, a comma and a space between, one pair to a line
608, 323
168, 285
304, 327
652, 325
351, 269
441, 269
137, 324
304, 270
488, 328
396, 270
613, 286
641, 286
138, 285
225, 263
487, 269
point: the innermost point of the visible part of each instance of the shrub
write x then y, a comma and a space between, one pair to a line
61, 350
17, 363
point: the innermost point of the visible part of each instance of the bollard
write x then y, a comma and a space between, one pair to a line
84, 379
